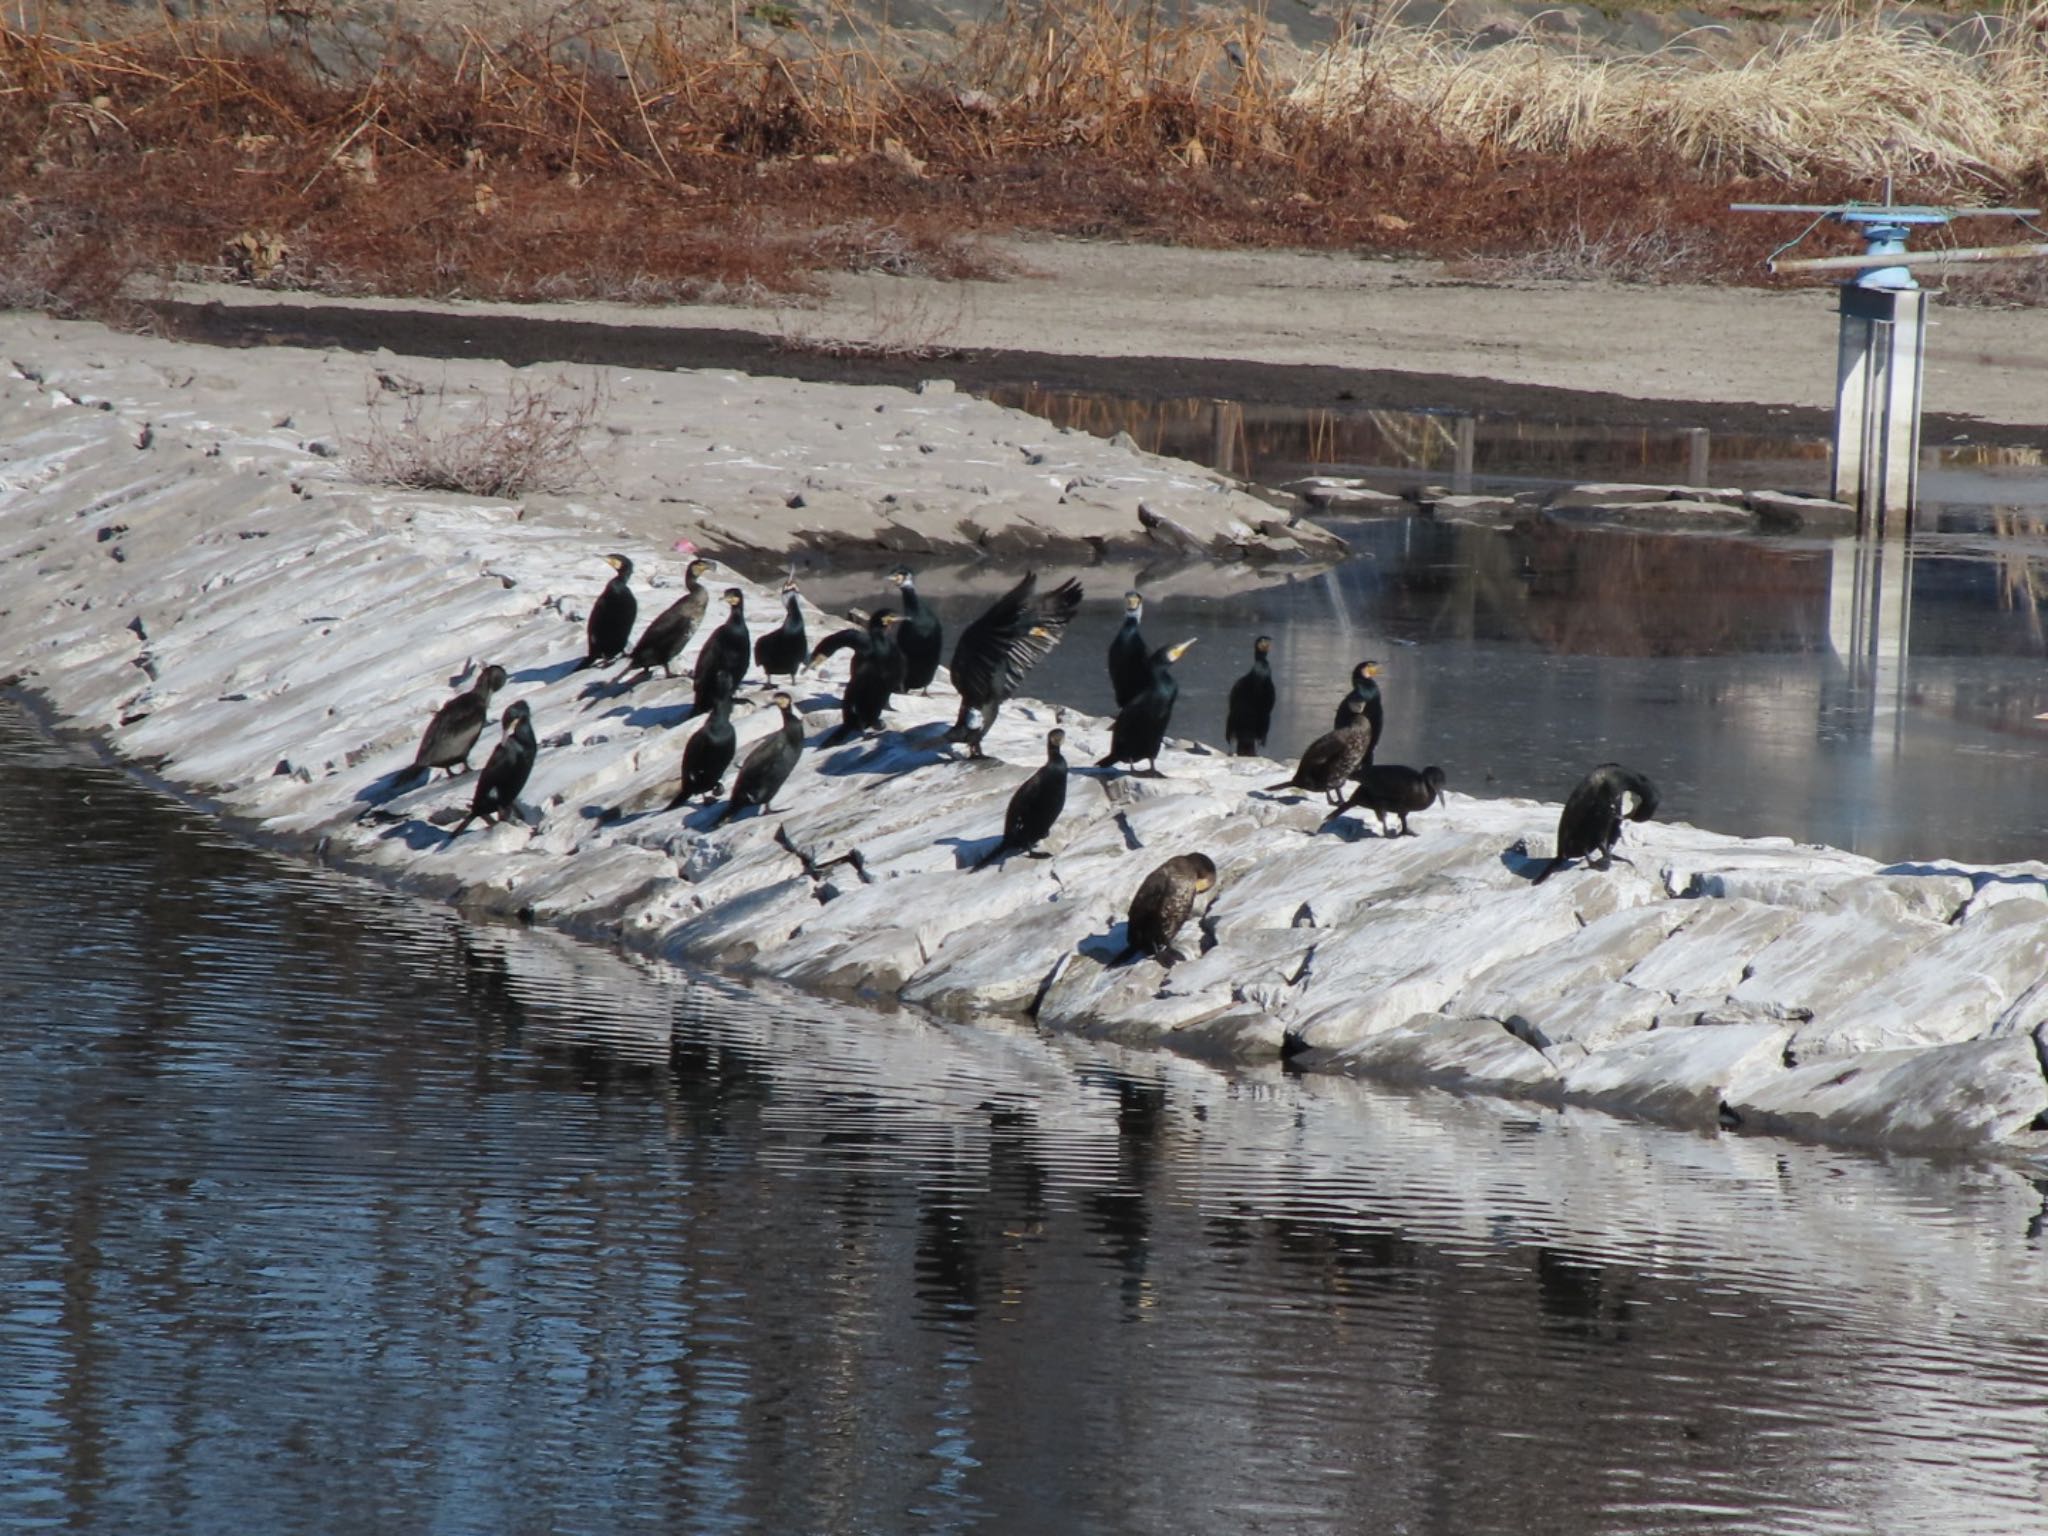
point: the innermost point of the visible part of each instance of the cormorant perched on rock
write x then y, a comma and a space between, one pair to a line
919, 637
1591, 821
1367, 693
1163, 903
783, 648
707, 754
1140, 728
876, 673
1035, 805
663, 640
1334, 756
769, 763
1389, 788
505, 771
997, 650
610, 625
452, 733
1250, 714
1130, 659
722, 659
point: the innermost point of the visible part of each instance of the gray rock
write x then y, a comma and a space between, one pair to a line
1943, 1097
1679, 1074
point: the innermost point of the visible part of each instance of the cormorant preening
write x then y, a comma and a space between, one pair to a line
663, 640
1334, 756
707, 754
997, 650
919, 636
610, 624
1130, 659
1140, 728
722, 658
1385, 788
783, 649
1591, 821
769, 763
1036, 805
1250, 714
453, 732
1163, 903
504, 773
875, 675
1367, 693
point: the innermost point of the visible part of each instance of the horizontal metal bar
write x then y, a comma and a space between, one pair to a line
1868, 263
1954, 213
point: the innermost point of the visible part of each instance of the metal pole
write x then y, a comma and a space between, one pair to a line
1870, 260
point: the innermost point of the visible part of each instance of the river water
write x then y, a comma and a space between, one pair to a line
324, 1210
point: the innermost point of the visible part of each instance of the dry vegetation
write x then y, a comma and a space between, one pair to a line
681, 157
531, 440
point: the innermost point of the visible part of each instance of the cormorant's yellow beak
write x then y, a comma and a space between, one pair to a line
1181, 650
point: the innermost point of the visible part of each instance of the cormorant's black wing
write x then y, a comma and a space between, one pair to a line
998, 649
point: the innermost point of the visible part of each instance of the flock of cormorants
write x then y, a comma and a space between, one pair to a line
897, 652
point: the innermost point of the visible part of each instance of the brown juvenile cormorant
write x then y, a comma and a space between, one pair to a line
722, 658
1163, 903
1130, 658
783, 648
769, 763
1591, 821
707, 754
997, 650
452, 733
505, 771
1140, 728
1334, 756
663, 640
610, 624
1250, 714
875, 676
919, 636
1035, 805
1367, 693
1389, 788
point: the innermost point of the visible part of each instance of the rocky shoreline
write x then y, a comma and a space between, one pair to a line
193, 577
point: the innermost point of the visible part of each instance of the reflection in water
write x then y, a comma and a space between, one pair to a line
326, 1211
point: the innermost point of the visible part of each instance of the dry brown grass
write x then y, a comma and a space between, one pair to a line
530, 440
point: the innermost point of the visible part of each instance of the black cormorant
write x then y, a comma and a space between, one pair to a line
783, 648
452, 733
1334, 756
1389, 788
722, 658
919, 637
610, 625
505, 771
769, 763
1591, 821
707, 754
1140, 728
1035, 805
663, 640
997, 650
1130, 659
1250, 714
1163, 903
874, 676
1367, 693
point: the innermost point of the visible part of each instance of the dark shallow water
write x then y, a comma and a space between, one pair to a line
322, 1210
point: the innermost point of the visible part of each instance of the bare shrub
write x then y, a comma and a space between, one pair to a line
528, 440
1615, 255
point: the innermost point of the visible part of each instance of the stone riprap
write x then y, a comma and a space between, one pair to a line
233, 611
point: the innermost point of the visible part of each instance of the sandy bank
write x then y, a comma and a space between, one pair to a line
211, 595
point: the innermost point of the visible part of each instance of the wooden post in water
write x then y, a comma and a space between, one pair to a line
1879, 362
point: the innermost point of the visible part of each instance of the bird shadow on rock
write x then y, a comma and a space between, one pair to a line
1977, 877
1518, 861
652, 717
387, 787
418, 835
891, 755
554, 672
968, 852
1108, 949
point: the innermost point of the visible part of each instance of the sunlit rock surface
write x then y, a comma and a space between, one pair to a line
226, 606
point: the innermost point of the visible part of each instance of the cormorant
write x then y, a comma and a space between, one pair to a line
505, 771
1035, 805
783, 649
997, 650
919, 637
1250, 714
610, 624
1389, 787
1334, 756
707, 754
875, 677
1140, 728
1130, 659
663, 640
452, 733
1367, 693
722, 658
769, 763
1163, 903
1591, 821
